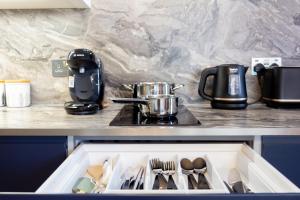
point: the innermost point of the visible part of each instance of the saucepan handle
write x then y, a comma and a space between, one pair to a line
128, 86
177, 86
129, 100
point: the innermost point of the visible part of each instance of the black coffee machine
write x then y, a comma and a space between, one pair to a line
86, 84
229, 86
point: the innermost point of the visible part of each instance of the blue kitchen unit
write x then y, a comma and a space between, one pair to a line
283, 153
153, 197
26, 162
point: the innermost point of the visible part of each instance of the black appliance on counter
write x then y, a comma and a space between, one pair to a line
130, 115
280, 86
229, 86
86, 84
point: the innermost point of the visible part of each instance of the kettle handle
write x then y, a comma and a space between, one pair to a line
204, 75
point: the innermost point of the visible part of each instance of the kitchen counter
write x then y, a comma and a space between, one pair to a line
52, 120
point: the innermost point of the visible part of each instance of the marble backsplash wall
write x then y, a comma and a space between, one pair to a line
139, 40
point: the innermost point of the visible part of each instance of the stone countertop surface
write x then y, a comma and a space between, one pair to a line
51, 120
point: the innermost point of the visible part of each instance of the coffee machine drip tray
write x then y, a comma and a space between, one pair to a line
130, 115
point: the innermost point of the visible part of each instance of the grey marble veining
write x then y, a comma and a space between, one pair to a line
170, 40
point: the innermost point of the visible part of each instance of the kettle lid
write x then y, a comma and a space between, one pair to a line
234, 65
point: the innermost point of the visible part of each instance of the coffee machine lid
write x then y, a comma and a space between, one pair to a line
81, 108
83, 58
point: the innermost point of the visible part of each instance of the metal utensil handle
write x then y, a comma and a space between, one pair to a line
140, 180
163, 184
193, 182
127, 184
228, 187
130, 100
171, 183
190, 184
177, 87
128, 86
141, 186
239, 187
202, 182
136, 182
156, 183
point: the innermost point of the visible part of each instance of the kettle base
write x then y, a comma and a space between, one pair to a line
229, 106
284, 105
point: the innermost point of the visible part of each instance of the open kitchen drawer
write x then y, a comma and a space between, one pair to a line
258, 175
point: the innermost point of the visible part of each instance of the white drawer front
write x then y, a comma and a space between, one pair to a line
257, 173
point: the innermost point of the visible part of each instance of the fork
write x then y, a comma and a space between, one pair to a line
169, 169
157, 168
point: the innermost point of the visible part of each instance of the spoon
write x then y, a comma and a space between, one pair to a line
188, 169
200, 168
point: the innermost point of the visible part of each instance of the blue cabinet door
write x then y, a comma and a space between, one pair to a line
283, 152
154, 197
26, 162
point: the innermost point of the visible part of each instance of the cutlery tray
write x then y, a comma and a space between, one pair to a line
255, 172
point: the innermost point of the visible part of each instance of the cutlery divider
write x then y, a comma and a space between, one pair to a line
128, 163
166, 156
253, 170
212, 176
223, 162
96, 158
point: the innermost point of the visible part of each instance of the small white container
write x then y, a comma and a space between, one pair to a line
17, 93
2, 93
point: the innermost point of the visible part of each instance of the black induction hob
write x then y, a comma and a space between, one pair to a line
130, 115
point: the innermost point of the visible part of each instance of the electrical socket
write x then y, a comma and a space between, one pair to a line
59, 68
265, 61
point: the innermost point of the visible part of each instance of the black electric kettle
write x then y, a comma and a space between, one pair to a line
229, 86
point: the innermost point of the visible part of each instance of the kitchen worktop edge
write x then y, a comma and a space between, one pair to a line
51, 119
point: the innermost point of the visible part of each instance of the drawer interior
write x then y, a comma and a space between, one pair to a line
258, 175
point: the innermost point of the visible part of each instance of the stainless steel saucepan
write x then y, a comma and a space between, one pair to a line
154, 106
146, 89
